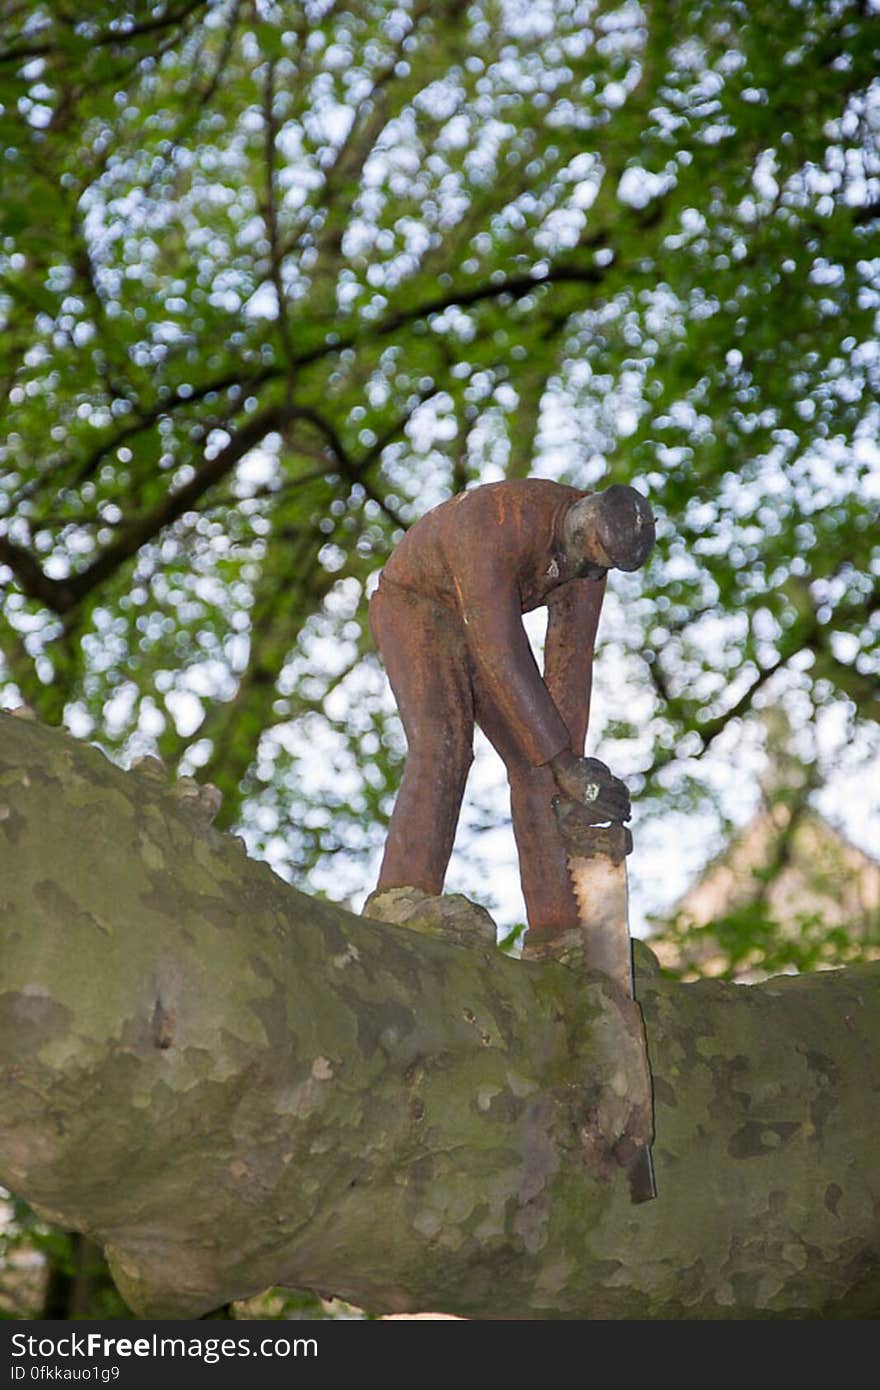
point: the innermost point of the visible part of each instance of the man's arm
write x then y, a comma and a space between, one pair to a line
574, 610
509, 678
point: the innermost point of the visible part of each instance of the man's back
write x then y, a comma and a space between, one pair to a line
500, 534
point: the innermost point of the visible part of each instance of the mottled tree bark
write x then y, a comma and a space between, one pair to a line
230, 1085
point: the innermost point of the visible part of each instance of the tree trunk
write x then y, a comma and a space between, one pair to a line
229, 1085
78, 1282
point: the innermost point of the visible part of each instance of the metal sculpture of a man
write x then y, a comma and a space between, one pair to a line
447, 620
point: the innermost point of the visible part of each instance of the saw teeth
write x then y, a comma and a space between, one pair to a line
576, 868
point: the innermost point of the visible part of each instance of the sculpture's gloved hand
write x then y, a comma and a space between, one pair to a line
591, 784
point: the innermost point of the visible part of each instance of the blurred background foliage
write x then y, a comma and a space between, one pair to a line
277, 277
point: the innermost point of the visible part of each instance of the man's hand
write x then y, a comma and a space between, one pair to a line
592, 785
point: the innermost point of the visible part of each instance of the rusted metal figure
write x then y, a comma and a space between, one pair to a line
447, 619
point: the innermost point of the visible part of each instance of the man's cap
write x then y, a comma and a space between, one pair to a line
624, 526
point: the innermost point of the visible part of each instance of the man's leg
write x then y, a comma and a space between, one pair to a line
551, 907
425, 657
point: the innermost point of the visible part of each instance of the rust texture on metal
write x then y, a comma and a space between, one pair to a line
447, 620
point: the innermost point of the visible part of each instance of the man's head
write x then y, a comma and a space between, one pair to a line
613, 529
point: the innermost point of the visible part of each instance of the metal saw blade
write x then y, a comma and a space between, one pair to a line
596, 860
601, 893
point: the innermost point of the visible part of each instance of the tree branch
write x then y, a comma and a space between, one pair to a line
109, 36
318, 1080
63, 595
517, 287
270, 214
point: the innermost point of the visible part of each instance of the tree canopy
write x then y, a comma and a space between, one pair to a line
276, 277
